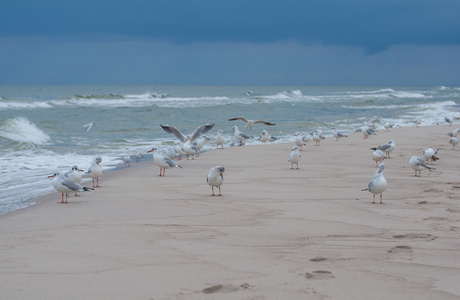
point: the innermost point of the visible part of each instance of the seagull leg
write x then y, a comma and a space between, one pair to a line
220, 194
381, 198
373, 199
212, 188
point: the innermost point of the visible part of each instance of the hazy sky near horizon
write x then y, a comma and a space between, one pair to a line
290, 42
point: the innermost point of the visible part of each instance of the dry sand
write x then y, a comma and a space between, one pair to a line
276, 233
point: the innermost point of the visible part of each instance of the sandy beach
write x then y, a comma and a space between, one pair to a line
276, 233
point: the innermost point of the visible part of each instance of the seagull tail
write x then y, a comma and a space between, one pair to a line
86, 189
364, 190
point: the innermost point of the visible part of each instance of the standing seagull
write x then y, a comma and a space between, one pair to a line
127, 160
189, 149
75, 175
66, 185
138, 156
453, 141
294, 157
430, 153
449, 120
387, 147
249, 123
264, 136
378, 184
454, 133
200, 130
89, 126
163, 161
378, 156
220, 139
337, 134
215, 178
240, 136
418, 164
299, 142
96, 171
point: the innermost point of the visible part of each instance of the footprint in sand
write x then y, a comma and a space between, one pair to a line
318, 259
412, 236
224, 288
401, 249
319, 275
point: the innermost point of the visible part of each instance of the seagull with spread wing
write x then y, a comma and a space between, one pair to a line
199, 131
249, 123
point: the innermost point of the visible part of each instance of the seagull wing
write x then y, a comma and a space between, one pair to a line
239, 118
173, 130
263, 122
201, 130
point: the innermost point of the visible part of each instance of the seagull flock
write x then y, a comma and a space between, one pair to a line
190, 146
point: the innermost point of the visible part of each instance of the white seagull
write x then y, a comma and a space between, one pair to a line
66, 185
240, 135
215, 178
430, 153
179, 150
418, 164
387, 147
294, 157
95, 171
299, 142
387, 126
454, 133
89, 126
453, 141
75, 175
199, 144
378, 183
249, 123
189, 149
264, 136
127, 160
138, 156
200, 130
337, 134
317, 138
220, 139
163, 161
449, 120
378, 156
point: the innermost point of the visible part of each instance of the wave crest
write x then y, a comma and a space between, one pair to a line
21, 130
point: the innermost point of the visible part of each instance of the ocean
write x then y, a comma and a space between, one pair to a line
41, 127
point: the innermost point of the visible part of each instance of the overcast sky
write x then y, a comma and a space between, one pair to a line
250, 42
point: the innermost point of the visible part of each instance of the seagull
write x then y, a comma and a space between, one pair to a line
171, 152
367, 131
215, 178
179, 150
294, 157
387, 126
138, 156
418, 164
95, 171
163, 161
264, 136
89, 126
454, 133
189, 149
65, 185
199, 144
453, 141
200, 130
272, 138
417, 123
430, 153
127, 160
299, 141
449, 120
249, 123
387, 147
240, 136
378, 156
378, 183
220, 139
75, 175
337, 134
317, 138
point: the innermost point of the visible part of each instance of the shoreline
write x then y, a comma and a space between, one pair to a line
274, 233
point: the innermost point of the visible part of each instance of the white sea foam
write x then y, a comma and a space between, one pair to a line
21, 130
